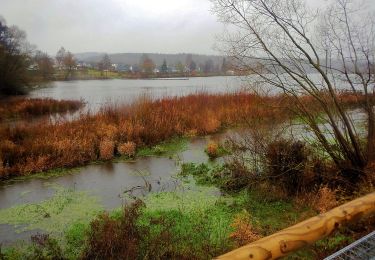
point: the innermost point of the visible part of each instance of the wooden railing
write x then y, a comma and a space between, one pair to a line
307, 232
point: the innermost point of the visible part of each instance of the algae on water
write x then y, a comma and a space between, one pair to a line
53, 215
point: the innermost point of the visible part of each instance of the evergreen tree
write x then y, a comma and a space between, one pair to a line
164, 67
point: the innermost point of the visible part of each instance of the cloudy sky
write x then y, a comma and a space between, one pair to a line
165, 26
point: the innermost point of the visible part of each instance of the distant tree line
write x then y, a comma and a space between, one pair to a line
22, 65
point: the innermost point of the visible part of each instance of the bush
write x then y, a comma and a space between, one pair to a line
127, 149
46, 248
212, 150
111, 238
106, 150
286, 164
325, 200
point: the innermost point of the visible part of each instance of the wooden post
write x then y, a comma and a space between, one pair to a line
307, 232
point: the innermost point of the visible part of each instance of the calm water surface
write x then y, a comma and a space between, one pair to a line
99, 92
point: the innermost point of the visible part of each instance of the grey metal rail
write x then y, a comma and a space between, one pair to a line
363, 248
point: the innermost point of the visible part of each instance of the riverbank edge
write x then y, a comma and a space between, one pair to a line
167, 148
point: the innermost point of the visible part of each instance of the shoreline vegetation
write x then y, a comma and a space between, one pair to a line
93, 74
169, 224
27, 108
119, 130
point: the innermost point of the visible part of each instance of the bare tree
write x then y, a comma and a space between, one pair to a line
60, 55
69, 64
105, 64
310, 52
45, 65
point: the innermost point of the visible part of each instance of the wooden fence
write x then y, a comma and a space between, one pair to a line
307, 232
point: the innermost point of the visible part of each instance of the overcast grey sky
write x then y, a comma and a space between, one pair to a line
165, 26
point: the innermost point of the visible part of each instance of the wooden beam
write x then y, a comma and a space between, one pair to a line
304, 233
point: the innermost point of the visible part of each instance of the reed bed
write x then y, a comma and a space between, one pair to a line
121, 129
23, 108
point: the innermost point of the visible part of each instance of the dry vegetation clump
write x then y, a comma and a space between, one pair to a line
109, 238
321, 200
286, 164
326, 200
27, 107
106, 149
127, 149
244, 232
212, 149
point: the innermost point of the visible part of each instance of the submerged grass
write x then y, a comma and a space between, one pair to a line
42, 175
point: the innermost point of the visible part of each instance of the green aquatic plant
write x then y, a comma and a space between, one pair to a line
53, 215
168, 148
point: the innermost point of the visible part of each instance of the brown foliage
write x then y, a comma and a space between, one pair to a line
106, 150
109, 238
44, 145
321, 200
286, 163
326, 200
26, 107
90, 137
127, 149
212, 149
243, 230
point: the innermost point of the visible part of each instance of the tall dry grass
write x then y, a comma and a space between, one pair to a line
27, 107
28, 148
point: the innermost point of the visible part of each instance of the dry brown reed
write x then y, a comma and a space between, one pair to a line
27, 148
27, 107
244, 232
127, 149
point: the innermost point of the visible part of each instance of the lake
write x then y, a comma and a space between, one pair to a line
99, 92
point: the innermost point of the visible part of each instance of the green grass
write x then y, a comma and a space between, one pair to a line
168, 148
199, 218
